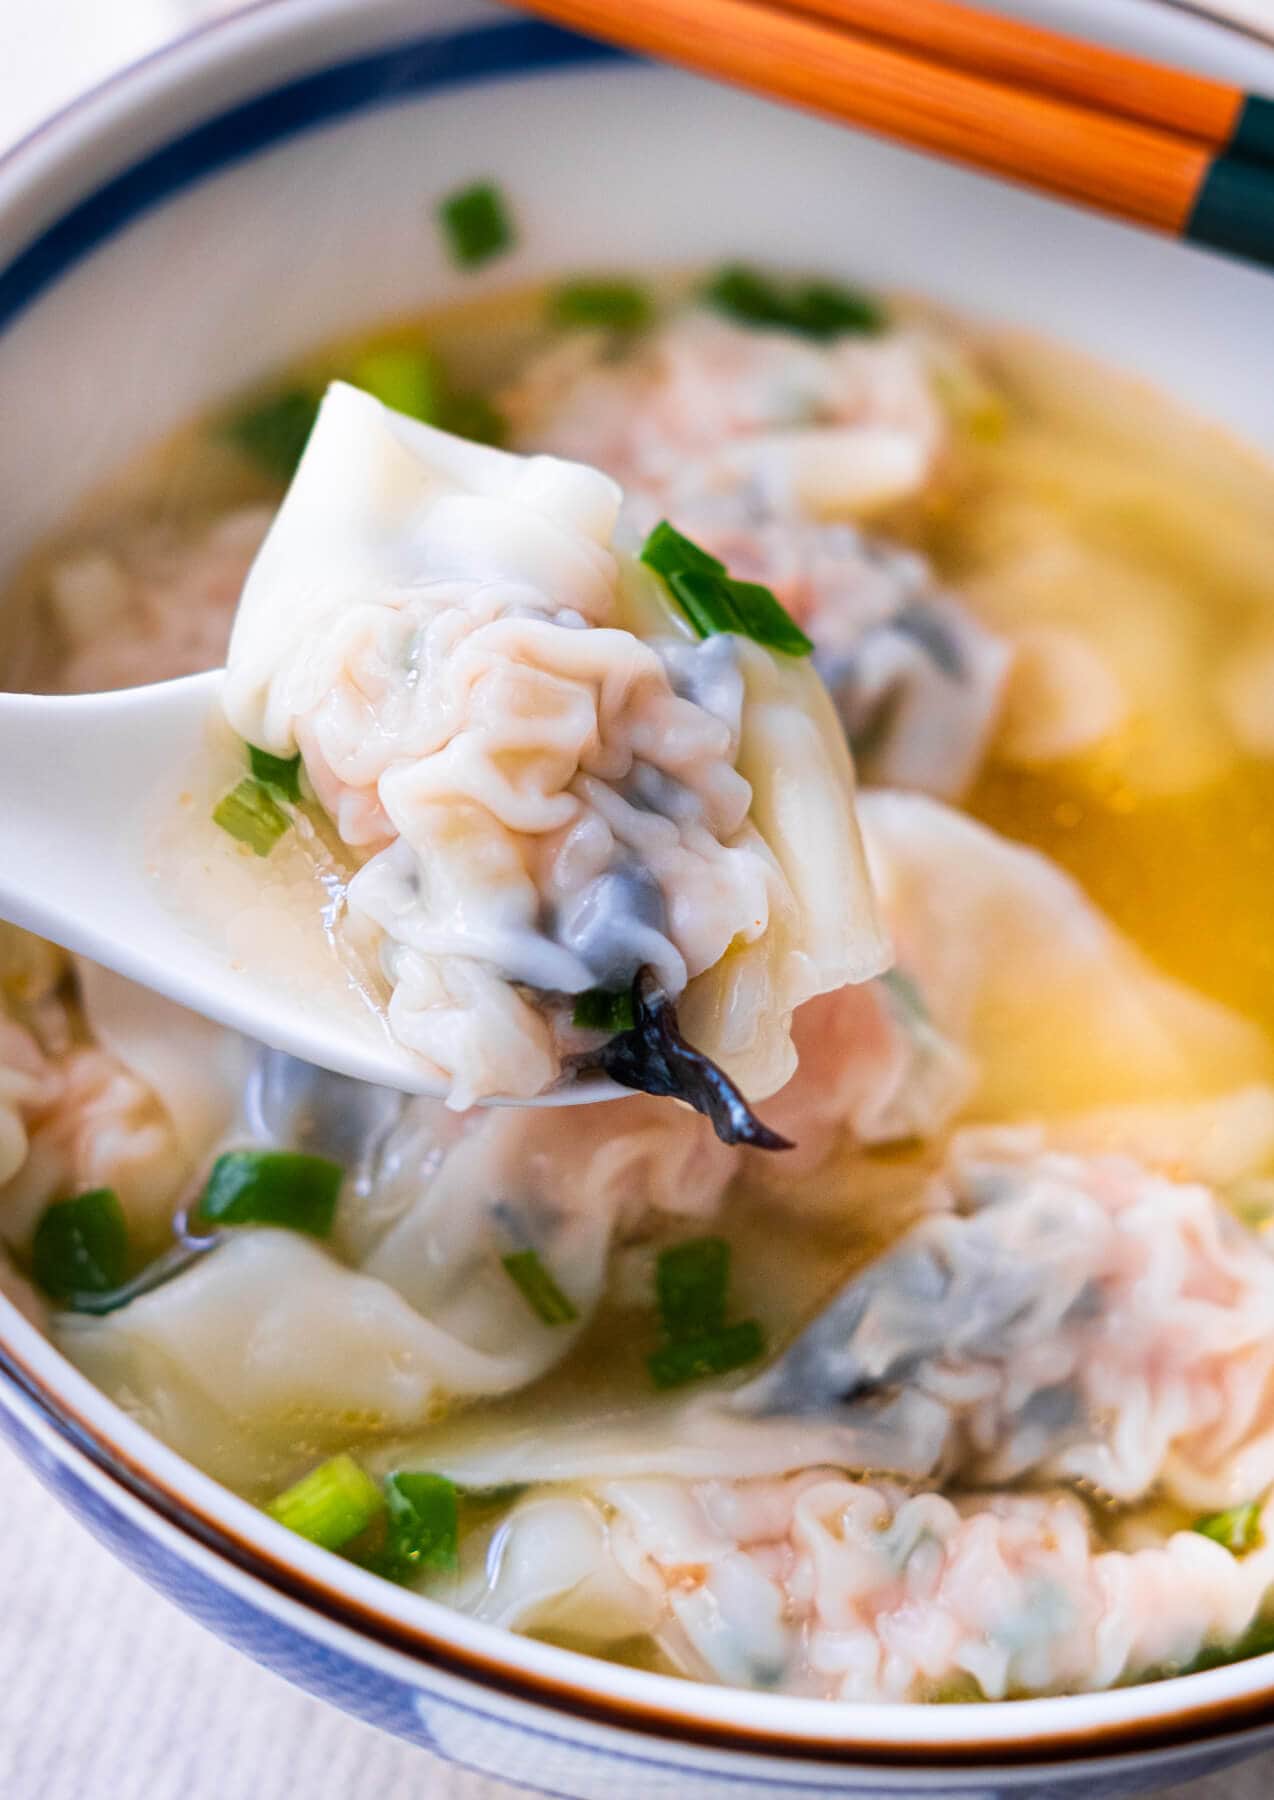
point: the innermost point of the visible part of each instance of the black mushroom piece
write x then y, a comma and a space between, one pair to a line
653, 1057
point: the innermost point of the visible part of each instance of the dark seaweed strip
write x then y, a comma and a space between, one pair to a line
654, 1058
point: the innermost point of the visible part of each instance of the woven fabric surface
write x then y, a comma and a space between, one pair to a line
107, 1692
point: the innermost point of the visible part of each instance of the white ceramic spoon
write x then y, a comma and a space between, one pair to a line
80, 775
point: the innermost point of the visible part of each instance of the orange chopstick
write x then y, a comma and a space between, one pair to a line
1168, 180
1050, 62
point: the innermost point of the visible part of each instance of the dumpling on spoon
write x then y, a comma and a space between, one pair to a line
583, 787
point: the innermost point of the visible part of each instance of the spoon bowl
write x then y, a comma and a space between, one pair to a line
82, 774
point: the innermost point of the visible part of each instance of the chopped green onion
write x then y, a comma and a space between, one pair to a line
1257, 1640
713, 601
762, 618
617, 305
669, 552
1239, 1529
538, 1288
424, 1531
824, 309
705, 599
597, 1009
407, 380
274, 431
691, 1358
475, 222
816, 309
744, 295
249, 813
81, 1245
473, 416
332, 1504
690, 1284
273, 1187
282, 772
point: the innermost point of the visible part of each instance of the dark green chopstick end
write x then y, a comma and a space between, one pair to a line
1234, 210
1253, 138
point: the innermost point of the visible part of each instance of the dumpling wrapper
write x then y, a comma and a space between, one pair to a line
195, 1069
269, 1348
1017, 966
557, 781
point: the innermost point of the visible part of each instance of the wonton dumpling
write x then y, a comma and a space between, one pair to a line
704, 406
269, 1343
819, 1585
519, 1178
1029, 1325
195, 1069
555, 782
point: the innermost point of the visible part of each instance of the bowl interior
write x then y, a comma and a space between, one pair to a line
177, 235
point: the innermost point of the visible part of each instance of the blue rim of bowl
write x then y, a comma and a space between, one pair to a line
340, 90
402, 72
1190, 1726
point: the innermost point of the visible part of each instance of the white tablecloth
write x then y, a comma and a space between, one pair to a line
106, 1692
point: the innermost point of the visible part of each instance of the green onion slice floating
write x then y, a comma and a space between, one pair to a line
476, 224
743, 294
1239, 1528
281, 772
331, 1505
825, 309
472, 416
612, 303
424, 1529
408, 380
250, 813
273, 1187
274, 430
816, 309
690, 1284
538, 1288
713, 601
81, 1246
716, 1353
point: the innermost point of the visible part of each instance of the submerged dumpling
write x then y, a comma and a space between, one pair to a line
271, 1347
706, 406
269, 1342
821, 1585
551, 780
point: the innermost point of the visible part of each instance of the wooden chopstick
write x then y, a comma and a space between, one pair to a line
1168, 180
1223, 116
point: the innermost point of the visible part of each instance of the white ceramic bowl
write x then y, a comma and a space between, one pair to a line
268, 184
